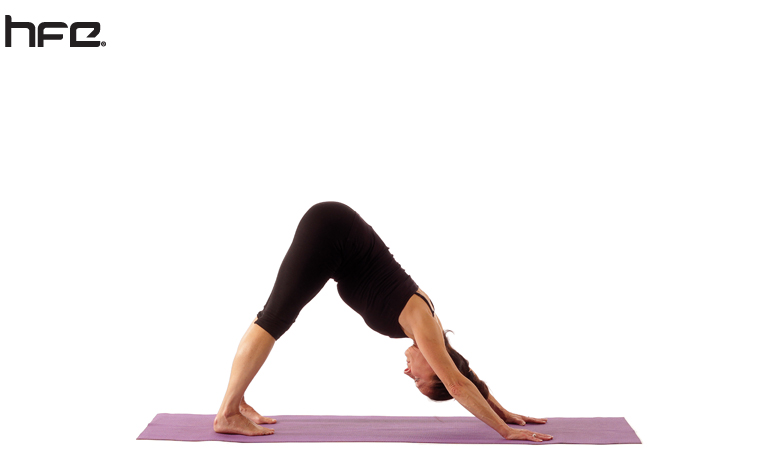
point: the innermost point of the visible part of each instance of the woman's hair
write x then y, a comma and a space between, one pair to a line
437, 390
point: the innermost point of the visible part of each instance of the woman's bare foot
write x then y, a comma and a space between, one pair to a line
251, 414
237, 424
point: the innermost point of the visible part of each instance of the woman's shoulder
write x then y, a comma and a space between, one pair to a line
418, 312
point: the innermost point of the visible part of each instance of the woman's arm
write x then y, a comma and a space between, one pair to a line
496, 406
430, 341
508, 416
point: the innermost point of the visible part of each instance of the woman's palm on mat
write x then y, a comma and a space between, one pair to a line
516, 419
529, 435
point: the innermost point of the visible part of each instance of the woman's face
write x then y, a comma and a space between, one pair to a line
418, 369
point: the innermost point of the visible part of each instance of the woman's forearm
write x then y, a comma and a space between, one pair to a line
496, 406
470, 398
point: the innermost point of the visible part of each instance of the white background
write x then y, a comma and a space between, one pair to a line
585, 189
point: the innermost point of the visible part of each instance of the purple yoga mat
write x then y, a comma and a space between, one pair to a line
314, 428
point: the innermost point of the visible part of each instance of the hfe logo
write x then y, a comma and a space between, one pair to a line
42, 35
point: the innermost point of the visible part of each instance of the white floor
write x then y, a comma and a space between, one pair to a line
585, 190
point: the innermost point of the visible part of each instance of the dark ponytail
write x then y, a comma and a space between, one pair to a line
437, 390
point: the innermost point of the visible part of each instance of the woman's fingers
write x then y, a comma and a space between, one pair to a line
522, 420
528, 435
518, 420
540, 437
535, 420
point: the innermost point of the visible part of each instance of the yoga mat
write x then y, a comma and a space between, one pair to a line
324, 428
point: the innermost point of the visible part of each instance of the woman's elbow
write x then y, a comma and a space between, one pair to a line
456, 388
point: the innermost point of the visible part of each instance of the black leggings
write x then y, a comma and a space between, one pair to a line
333, 242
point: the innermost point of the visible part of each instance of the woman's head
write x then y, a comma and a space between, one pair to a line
427, 381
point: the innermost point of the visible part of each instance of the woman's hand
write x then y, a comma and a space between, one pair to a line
516, 419
510, 417
515, 434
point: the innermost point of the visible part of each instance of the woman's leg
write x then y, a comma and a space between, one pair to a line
313, 258
253, 350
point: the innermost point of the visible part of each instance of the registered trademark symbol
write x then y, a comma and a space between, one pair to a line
102, 43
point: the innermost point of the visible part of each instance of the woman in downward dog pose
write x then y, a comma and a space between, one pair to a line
333, 242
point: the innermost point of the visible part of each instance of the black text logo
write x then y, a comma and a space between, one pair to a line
48, 25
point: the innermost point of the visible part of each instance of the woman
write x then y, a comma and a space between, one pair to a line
333, 242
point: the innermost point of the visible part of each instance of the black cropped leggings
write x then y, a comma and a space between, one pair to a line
333, 242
